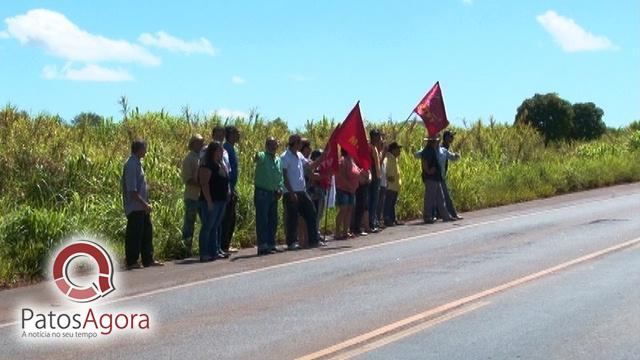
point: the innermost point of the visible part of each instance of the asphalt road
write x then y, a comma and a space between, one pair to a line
554, 278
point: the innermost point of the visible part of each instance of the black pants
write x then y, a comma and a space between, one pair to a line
303, 207
228, 224
391, 198
362, 204
139, 238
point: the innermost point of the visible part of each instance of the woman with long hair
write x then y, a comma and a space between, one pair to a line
214, 183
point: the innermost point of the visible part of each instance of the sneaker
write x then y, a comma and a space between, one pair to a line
223, 255
133, 266
155, 263
233, 249
293, 247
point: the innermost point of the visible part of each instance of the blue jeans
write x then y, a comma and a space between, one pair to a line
191, 210
266, 205
210, 232
374, 193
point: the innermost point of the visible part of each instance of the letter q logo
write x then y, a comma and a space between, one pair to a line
82, 248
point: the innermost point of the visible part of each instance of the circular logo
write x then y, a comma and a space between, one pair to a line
99, 288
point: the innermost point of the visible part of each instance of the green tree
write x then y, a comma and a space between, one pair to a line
549, 113
87, 119
587, 121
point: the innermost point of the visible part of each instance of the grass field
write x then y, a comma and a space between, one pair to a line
57, 179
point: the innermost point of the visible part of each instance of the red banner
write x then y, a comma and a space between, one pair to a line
329, 164
353, 138
431, 110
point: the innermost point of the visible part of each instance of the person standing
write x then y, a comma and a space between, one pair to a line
394, 181
214, 182
232, 136
189, 173
444, 156
268, 189
347, 181
319, 191
432, 178
360, 218
296, 199
305, 150
218, 134
375, 137
137, 208
383, 184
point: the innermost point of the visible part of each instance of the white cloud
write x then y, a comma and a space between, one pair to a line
165, 41
571, 36
53, 32
230, 114
237, 80
89, 72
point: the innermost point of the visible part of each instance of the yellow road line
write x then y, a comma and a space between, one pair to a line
408, 332
461, 302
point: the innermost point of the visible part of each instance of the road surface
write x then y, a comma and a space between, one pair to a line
557, 278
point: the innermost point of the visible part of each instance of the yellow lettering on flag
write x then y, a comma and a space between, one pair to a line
353, 141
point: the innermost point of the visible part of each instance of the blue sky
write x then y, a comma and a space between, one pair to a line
304, 59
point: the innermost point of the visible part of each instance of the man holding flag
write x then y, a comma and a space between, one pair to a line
432, 111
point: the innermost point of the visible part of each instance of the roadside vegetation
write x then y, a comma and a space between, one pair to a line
59, 178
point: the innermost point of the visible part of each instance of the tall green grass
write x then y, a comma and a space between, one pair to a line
57, 179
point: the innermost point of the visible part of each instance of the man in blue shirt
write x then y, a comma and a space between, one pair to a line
232, 136
135, 198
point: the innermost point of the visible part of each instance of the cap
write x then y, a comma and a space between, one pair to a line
394, 145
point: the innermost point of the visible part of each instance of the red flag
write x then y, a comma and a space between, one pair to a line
353, 138
329, 164
431, 110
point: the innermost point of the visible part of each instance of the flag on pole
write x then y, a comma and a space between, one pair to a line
329, 164
353, 138
431, 110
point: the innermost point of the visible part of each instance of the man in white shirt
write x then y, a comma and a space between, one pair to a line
218, 135
444, 155
296, 199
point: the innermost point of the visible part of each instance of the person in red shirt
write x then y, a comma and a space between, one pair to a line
347, 182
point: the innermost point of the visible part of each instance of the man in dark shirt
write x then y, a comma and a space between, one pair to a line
432, 178
232, 136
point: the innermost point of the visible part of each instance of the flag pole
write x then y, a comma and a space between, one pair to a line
404, 123
326, 205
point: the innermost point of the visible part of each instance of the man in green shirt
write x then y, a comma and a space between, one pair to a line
268, 183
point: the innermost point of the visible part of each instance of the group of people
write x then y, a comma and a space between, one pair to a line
366, 198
